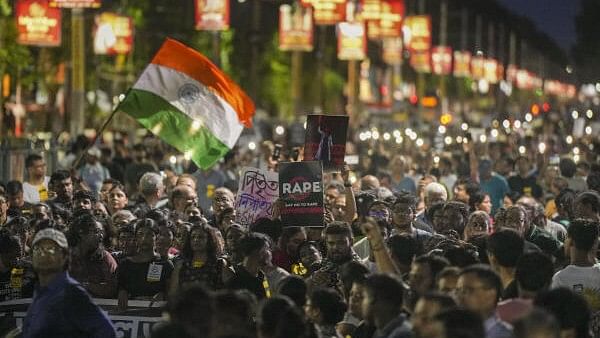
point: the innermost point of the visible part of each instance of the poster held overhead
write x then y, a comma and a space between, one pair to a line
301, 192
326, 140
258, 191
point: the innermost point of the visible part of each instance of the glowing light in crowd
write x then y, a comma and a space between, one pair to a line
576, 158
588, 130
528, 117
482, 138
494, 133
459, 139
448, 140
464, 126
413, 136
589, 113
442, 129
506, 124
408, 131
173, 159
436, 160
522, 150
420, 142
304, 125
399, 139
279, 130
576, 150
252, 146
517, 124
569, 139
368, 134
575, 114
375, 135
542, 147
387, 136
397, 133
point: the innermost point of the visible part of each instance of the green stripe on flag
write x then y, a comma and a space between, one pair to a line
174, 127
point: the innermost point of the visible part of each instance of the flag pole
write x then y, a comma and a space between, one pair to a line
100, 132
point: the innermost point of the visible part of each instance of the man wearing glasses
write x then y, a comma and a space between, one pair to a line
60, 307
478, 289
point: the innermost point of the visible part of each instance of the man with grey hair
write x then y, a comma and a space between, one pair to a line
151, 188
434, 193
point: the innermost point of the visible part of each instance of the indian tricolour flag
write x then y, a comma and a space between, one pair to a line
188, 102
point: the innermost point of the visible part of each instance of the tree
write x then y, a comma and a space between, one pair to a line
587, 46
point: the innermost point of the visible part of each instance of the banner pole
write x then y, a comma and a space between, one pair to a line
100, 132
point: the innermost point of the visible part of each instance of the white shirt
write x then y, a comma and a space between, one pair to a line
31, 193
578, 278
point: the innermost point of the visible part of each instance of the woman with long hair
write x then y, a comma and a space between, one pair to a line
201, 263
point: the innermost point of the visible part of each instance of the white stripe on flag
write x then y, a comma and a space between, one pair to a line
193, 99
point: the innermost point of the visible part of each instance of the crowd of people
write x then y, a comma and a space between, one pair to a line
463, 246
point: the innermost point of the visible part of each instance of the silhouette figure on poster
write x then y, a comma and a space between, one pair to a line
325, 145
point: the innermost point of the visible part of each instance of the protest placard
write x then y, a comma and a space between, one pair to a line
258, 190
301, 191
326, 140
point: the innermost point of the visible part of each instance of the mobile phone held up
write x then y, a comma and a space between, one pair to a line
277, 152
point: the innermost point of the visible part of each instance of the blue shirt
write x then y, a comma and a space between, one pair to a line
495, 328
497, 187
399, 327
64, 309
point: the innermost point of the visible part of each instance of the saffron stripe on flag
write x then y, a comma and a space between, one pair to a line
174, 127
193, 99
178, 56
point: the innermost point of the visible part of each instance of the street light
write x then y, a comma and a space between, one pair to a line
575, 114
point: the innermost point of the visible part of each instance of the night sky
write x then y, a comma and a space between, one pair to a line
554, 17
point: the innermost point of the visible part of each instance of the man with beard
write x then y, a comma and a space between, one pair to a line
91, 265
338, 240
60, 306
83, 200
61, 186
249, 274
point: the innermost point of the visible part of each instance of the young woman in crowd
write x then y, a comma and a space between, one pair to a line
144, 275
200, 263
117, 198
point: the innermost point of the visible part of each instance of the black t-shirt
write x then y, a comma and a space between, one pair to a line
144, 279
525, 186
17, 282
511, 291
244, 280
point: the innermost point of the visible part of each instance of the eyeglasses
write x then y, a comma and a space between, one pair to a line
38, 250
470, 290
402, 211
